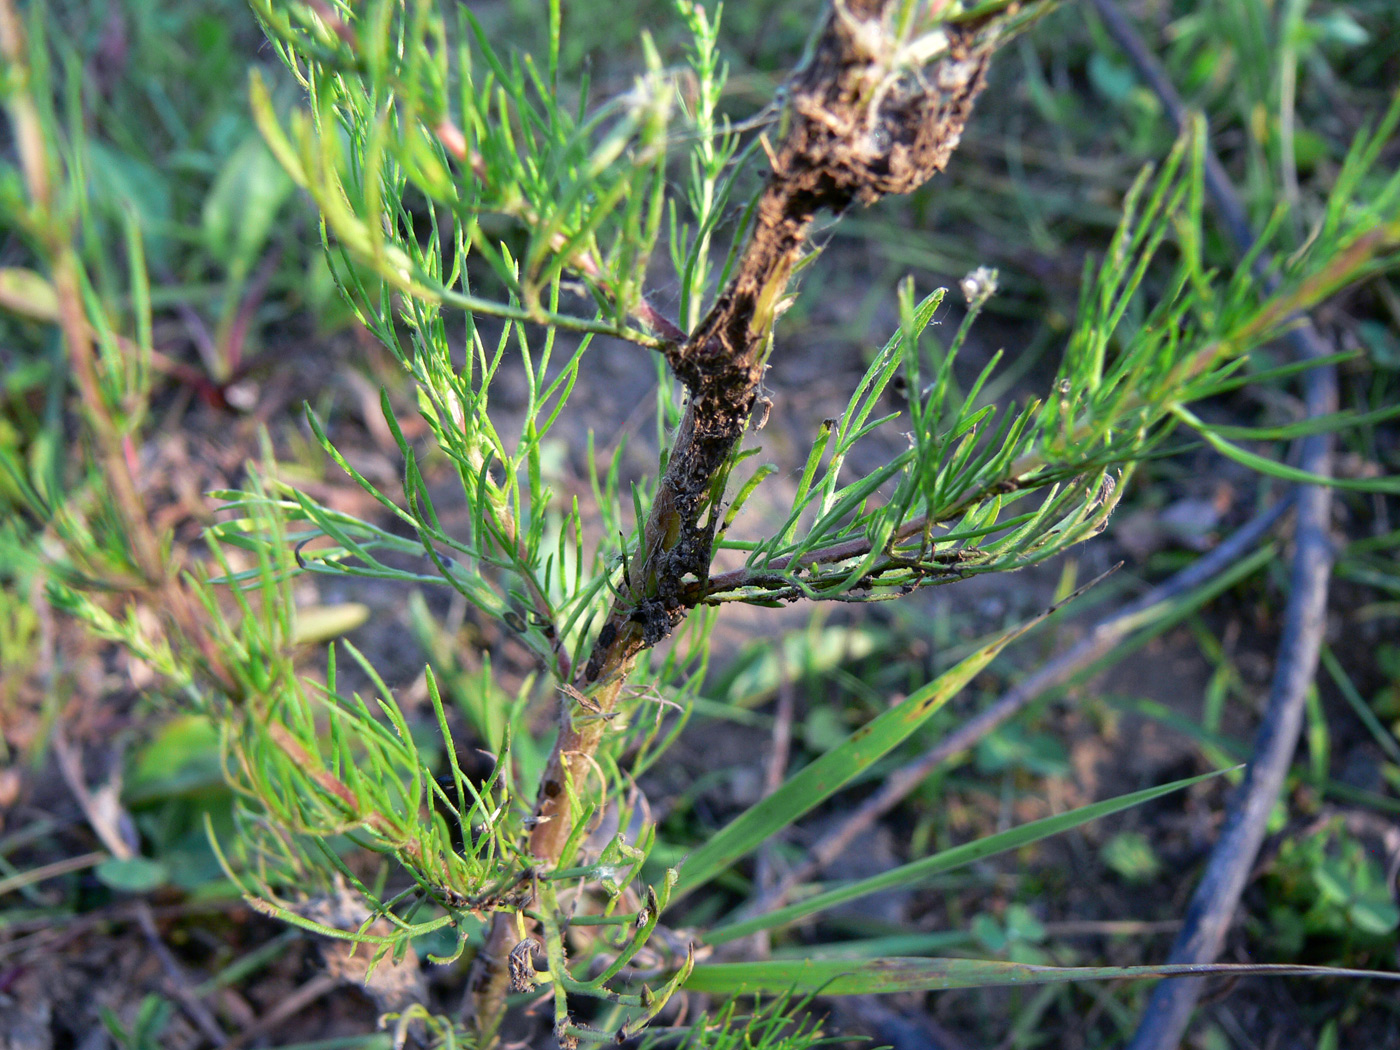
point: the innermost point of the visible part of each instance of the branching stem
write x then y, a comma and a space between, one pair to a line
858, 130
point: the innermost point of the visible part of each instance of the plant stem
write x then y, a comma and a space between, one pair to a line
53, 230
38, 167
848, 141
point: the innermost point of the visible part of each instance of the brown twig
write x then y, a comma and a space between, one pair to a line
285, 1010
22, 881
101, 809
859, 546
721, 363
179, 982
775, 769
1217, 895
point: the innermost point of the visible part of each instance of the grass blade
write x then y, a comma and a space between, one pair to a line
921, 870
884, 976
813, 784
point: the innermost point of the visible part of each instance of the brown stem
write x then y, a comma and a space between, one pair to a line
862, 125
858, 547
769, 573
53, 231
828, 160
37, 165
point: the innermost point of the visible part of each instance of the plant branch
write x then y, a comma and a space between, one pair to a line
72, 320
508, 529
584, 261
858, 131
112, 446
769, 575
837, 552
825, 162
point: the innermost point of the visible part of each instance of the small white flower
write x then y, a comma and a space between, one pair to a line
979, 286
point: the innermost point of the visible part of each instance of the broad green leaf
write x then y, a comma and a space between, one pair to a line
922, 870
134, 875
182, 756
1377, 917
883, 976
815, 783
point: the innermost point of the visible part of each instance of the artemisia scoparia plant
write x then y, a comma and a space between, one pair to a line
485, 217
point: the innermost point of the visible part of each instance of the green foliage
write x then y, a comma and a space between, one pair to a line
1013, 936
1129, 854
146, 1029
454, 176
1329, 885
889, 976
947, 860
1013, 747
483, 217
780, 1024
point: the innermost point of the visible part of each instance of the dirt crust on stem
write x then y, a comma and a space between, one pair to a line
867, 115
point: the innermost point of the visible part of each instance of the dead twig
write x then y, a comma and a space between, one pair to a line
24, 880
775, 770
1218, 893
179, 982
102, 809
308, 993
